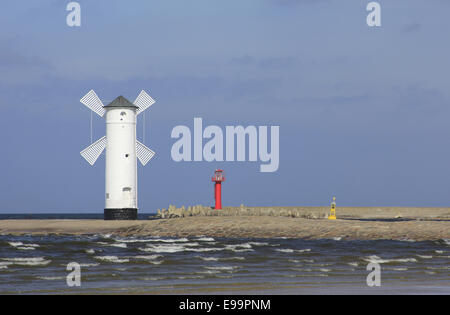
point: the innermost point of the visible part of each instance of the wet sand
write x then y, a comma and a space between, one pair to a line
428, 227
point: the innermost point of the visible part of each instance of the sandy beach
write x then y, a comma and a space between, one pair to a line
364, 224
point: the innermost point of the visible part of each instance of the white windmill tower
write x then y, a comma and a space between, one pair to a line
122, 149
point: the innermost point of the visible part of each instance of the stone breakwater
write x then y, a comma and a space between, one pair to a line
199, 210
308, 212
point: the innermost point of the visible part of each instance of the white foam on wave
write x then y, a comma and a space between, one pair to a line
284, 250
425, 256
120, 245
400, 269
113, 259
89, 265
28, 261
157, 262
205, 239
90, 251
170, 240
289, 250
208, 272
147, 240
15, 244
439, 251
259, 243
50, 278
207, 249
146, 257
22, 246
207, 258
353, 264
25, 248
172, 248
238, 248
447, 241
378, 260
224, 268
233, 258
439, 268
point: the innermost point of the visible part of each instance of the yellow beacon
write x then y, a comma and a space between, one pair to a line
332, 215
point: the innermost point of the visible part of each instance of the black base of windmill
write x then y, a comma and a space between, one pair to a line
121, 214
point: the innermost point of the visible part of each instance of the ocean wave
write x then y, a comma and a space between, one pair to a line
28, 261
446, 241
146, 257
239, 248
259, 244
147, 240
120, 245
15, 244
439, 251
220, 259
233, 258
439, 268
205, 239
425, 256
155, 278
208, 272
113, 259
90, 251
86, 265
400, 269
289, 250
49, 278
189, 277
207, 258
284, 250
206, 249
225, 268
243, 245
172, 248
22, 246
378, 260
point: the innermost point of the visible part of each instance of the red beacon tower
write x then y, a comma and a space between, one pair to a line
218, 178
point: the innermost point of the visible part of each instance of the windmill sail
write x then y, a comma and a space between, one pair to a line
92, 152
93, 102
143, 101
143, 153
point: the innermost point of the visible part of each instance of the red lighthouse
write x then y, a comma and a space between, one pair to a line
218, 178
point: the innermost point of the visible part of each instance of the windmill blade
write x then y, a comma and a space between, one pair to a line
93, 102
92, 152
143, 153
143, 101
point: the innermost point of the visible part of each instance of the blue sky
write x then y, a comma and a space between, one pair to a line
363, 112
